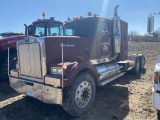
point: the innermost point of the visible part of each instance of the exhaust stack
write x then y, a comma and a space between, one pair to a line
116, 31
116, 11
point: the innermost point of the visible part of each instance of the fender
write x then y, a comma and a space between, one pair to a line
77, 68
10, 41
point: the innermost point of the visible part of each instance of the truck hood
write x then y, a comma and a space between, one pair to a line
10, 42
73, 48
11, 38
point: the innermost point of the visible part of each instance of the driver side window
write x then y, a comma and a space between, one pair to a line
69, 32
102, 28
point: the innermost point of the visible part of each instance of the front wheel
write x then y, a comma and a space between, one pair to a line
4, 69
79, 98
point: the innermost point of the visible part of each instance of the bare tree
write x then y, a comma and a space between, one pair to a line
136, 37
133, 35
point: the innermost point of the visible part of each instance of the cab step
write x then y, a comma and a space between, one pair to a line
110, 79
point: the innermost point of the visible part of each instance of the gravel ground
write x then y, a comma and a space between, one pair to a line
126, 98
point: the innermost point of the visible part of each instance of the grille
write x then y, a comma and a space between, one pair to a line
30, 60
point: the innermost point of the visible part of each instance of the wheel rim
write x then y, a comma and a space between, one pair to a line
83, 94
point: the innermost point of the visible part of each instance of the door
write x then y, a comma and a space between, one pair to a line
103, 40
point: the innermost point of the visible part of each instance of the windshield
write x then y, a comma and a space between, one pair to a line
69, 29
52, 29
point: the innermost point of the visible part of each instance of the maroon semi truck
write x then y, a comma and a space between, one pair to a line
66, 69
39, 28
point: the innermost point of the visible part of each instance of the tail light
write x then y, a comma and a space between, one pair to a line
156, 78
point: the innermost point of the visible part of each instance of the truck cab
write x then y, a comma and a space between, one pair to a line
65, 70
39, 28
44, 27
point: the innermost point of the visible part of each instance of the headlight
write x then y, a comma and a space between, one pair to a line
53, 70
59, 71
56, 70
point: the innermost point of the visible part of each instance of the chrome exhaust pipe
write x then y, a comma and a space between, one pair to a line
116, 11
8, 65
117, 31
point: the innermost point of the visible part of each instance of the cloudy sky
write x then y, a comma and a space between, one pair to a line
14, 13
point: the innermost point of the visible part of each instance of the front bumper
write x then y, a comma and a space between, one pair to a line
42, 92
155, 99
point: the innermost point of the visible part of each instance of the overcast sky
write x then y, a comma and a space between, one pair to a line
14, 13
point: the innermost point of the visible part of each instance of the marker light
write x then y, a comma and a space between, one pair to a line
81, 17
81, 58
95, 15
43, 14
156, 77
74, 18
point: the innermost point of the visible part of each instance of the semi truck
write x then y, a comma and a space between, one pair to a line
65, 70
156, 81
40, 27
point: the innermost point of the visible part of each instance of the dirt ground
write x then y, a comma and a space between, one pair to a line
127, 98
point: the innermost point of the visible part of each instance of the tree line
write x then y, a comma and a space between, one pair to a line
134, 36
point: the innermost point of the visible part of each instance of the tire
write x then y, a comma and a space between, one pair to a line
158, 114
78, 100
4, 68
136, 69
142, 62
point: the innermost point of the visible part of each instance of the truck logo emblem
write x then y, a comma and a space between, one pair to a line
67, 45
105, 46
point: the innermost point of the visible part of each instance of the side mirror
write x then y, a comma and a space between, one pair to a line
26, 29
150, 24
30, 29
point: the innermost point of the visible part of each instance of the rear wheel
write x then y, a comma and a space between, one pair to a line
4, 69
142, 62
79, 98
136, 69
